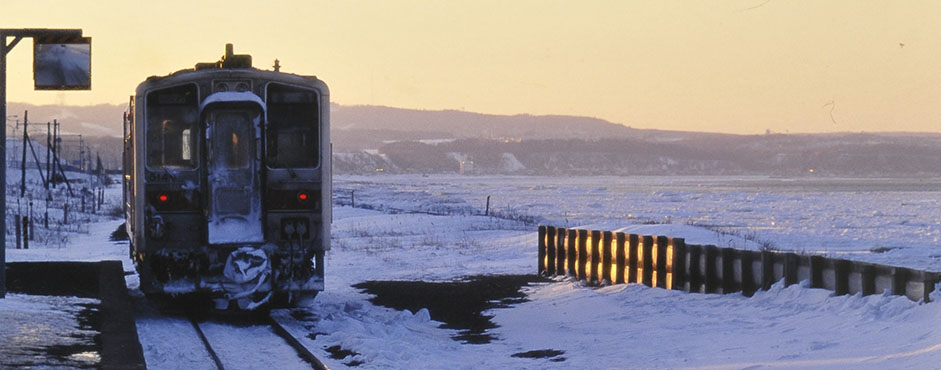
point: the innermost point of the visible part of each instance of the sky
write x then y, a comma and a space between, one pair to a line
738, 66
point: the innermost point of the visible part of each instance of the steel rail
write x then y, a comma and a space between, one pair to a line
302, 351
202, 336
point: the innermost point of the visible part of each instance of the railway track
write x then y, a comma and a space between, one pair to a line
252, 346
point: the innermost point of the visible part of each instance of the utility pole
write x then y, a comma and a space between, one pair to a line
55, 151
48, 151
81, 153
23, 163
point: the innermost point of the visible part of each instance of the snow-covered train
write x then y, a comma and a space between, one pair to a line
227, 183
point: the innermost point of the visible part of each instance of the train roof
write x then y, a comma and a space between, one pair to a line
230, 66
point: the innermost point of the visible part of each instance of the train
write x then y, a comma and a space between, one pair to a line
227, 183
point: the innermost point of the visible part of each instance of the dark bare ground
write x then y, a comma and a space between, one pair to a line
552, 354
339, 353
458, 304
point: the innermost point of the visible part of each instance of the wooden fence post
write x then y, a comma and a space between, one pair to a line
930, 280
581, 274
542, 250
606, 258
594, 257
661, 243
841, 269
647, 260
677, 264
899, 280
621, 259
791, 261
710, 276
867, 279
551, 240
695, 275
748, 276
570, 252
728, 270
767, 269
560, 251
817, 264
633, 257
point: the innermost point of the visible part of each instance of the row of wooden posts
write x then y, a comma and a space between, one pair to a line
604, 257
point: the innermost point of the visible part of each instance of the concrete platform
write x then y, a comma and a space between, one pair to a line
68, 314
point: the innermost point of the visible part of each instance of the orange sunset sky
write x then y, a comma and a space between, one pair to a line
717, 66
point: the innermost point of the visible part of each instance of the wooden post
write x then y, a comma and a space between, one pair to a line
571, 248
632, 258
678, 266
790, 269
817, 264
542, 250
647, 260
620, 259
899, 280
748, 276
929, 280
767, 269
27, 232
867, 279
662, 243
728, 270
710, 277
560, 251
582, 255
594, 257
842, 272
606, 257
19, 226
551, 240
695, 275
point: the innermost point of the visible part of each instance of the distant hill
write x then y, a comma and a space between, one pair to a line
92, 120
371, 138
362, 127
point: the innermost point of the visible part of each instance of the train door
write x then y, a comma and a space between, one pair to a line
234, 204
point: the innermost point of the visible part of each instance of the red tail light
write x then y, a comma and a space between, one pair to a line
173, 201
292, 200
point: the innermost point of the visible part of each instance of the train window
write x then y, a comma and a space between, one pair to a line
232, 137
172, 115
293, 138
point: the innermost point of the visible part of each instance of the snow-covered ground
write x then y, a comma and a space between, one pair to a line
624, 326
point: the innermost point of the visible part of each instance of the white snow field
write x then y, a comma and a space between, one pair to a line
431, 228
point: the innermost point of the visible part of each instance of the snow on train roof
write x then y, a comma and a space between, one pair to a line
232, 96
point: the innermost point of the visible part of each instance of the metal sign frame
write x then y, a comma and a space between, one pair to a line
17, 35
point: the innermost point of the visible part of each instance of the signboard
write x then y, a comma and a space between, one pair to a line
62, 65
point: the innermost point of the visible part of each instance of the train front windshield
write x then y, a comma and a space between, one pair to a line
172, 117
294, 127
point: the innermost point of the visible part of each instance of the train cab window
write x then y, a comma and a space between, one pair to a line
293, 138
172, 115
232, 138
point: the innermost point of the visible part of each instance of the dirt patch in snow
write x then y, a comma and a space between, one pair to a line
458, 304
